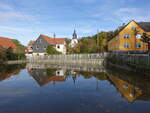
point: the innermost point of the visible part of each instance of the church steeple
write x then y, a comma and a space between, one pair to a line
74, 35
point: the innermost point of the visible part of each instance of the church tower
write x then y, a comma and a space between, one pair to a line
74, 35
74, 40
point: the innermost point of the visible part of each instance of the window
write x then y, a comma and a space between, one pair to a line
58, 46
138, 46
44, 47
138, 36
126, 36
133, 28
40, 40
126, 45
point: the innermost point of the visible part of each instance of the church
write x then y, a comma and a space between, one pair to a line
74, 40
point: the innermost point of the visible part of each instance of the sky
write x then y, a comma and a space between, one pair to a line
25, 20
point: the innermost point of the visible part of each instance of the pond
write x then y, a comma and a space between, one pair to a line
41, 89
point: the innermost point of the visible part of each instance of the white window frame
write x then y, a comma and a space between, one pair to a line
138, 45
126, 45
138, 36
126, 36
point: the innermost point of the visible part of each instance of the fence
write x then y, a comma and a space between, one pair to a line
139, 59
72, 58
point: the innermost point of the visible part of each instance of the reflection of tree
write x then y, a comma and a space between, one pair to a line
99, 76
7, 71
51, 72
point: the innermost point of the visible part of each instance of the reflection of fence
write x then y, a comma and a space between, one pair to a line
140, 59
67, 59
87, 68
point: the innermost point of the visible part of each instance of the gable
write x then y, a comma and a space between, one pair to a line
131, 23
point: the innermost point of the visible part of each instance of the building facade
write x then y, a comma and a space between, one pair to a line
129, 37
40, 45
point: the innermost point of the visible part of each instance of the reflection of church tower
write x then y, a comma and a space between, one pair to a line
74, 40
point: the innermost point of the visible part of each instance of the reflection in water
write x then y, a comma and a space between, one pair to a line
44, 76
129, 91
90, 91
6, 71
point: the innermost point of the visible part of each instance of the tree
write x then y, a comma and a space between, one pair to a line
20, 47
51, 50
20, 50
146, 39
2, 54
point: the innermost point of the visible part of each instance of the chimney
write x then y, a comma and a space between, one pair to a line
54, 36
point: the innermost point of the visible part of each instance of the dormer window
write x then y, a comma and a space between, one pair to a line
126, 36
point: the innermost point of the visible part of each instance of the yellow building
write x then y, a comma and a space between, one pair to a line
129, 37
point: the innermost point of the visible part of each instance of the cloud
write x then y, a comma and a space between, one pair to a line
127, 14
13, 29
5, 7
7, 13
14, 16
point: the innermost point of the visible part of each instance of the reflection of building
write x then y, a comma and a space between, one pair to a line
8, 71
60, 72
44, 76
8, 75
129, 91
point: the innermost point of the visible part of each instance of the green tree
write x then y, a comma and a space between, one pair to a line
20, 50
51, 50
20, 47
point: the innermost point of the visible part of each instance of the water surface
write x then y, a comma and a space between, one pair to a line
29, 89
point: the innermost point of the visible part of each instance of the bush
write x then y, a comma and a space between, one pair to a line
51, 50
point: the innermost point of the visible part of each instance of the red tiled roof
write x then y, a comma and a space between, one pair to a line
6, 42
54, 79
53, 40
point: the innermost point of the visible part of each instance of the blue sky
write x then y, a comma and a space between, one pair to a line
26, 19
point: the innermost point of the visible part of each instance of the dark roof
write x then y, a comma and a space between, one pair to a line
144, 25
